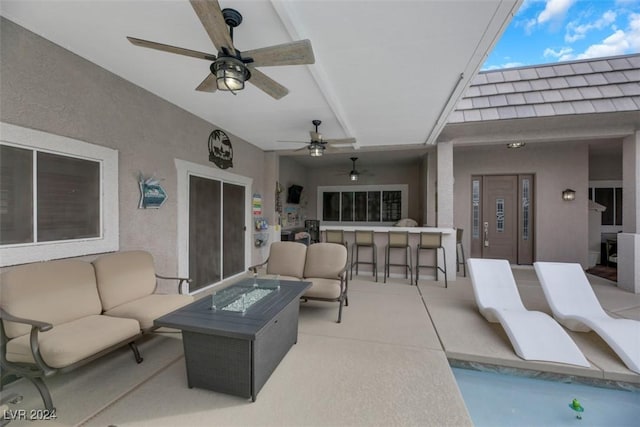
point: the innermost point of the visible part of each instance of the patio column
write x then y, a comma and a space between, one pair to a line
444, 202
629, 239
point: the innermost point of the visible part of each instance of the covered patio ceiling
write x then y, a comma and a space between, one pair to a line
387, 73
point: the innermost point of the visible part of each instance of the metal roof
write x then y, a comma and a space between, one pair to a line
602, 85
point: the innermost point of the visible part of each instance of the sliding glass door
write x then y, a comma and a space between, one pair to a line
213, 218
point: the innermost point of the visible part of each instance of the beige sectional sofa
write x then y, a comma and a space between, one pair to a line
58, 315
322, 264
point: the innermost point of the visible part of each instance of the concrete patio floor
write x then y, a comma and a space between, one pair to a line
387, 363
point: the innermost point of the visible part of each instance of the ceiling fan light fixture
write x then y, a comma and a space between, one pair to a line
316, 150
517, 144
230, 73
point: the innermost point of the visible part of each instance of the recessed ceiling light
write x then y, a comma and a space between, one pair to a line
515, 145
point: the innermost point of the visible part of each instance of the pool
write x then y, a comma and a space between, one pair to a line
495, 399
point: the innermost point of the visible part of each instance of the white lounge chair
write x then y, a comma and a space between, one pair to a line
533, 334
575, 305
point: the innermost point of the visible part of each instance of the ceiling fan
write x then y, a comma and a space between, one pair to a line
231, 68
318, 144
355, 174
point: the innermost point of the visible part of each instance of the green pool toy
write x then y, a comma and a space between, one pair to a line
576, 406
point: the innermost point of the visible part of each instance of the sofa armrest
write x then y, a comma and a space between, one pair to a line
181, 280
41, 326
36, 327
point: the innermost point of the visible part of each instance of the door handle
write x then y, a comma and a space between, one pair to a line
486, 235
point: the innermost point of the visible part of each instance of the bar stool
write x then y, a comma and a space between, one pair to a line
460, 251
335, 236
431, 241
398, 240
364, 239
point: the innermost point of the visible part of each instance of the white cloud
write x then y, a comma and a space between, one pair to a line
553, 13
618, 43
576, 31
549, 52
554, 10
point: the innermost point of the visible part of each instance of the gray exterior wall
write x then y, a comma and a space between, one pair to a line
561, 227
48, 88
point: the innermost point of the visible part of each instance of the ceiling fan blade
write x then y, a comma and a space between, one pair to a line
267, 84
294, 142
208, 84
172, 49
210, 15
294, 53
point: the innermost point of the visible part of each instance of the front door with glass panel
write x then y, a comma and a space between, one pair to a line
501, 217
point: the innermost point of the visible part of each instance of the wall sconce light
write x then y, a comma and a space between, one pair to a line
568, 195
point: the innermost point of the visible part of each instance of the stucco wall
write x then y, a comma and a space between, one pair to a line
561, 227
402, 173
48, 88
605, 165
293, 173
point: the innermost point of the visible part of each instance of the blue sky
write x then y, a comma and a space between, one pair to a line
548, 31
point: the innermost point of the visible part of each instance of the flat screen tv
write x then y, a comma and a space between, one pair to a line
293, 194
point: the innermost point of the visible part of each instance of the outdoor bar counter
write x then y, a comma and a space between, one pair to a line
381, 240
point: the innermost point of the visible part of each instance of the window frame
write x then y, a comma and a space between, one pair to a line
612, 185
108, 240
402, 188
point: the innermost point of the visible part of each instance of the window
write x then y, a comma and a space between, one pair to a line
362, 205
58, 197
609, 195
475, 209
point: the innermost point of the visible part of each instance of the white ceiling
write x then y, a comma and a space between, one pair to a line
386, 72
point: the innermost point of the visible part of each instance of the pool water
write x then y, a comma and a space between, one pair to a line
494, 399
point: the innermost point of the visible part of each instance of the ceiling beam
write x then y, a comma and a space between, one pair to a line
287, 16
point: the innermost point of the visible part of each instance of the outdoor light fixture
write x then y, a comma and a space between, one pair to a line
353, 175
519, 144
230, 73
316, 150
568, 195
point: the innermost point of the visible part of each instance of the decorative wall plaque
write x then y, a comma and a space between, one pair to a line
220, 149
152, 195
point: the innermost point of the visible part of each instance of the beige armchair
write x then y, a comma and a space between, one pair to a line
326, 268
286, 259
322, 264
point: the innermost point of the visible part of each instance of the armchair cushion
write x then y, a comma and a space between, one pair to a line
287, 259
124, 276
70, 293
61, 346
325, 261
324, 288
146, 309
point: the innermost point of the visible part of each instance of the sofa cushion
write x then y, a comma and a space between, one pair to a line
287, 259
124, 276
325, 260
146, 309
70, 342
54, 291
323, 288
